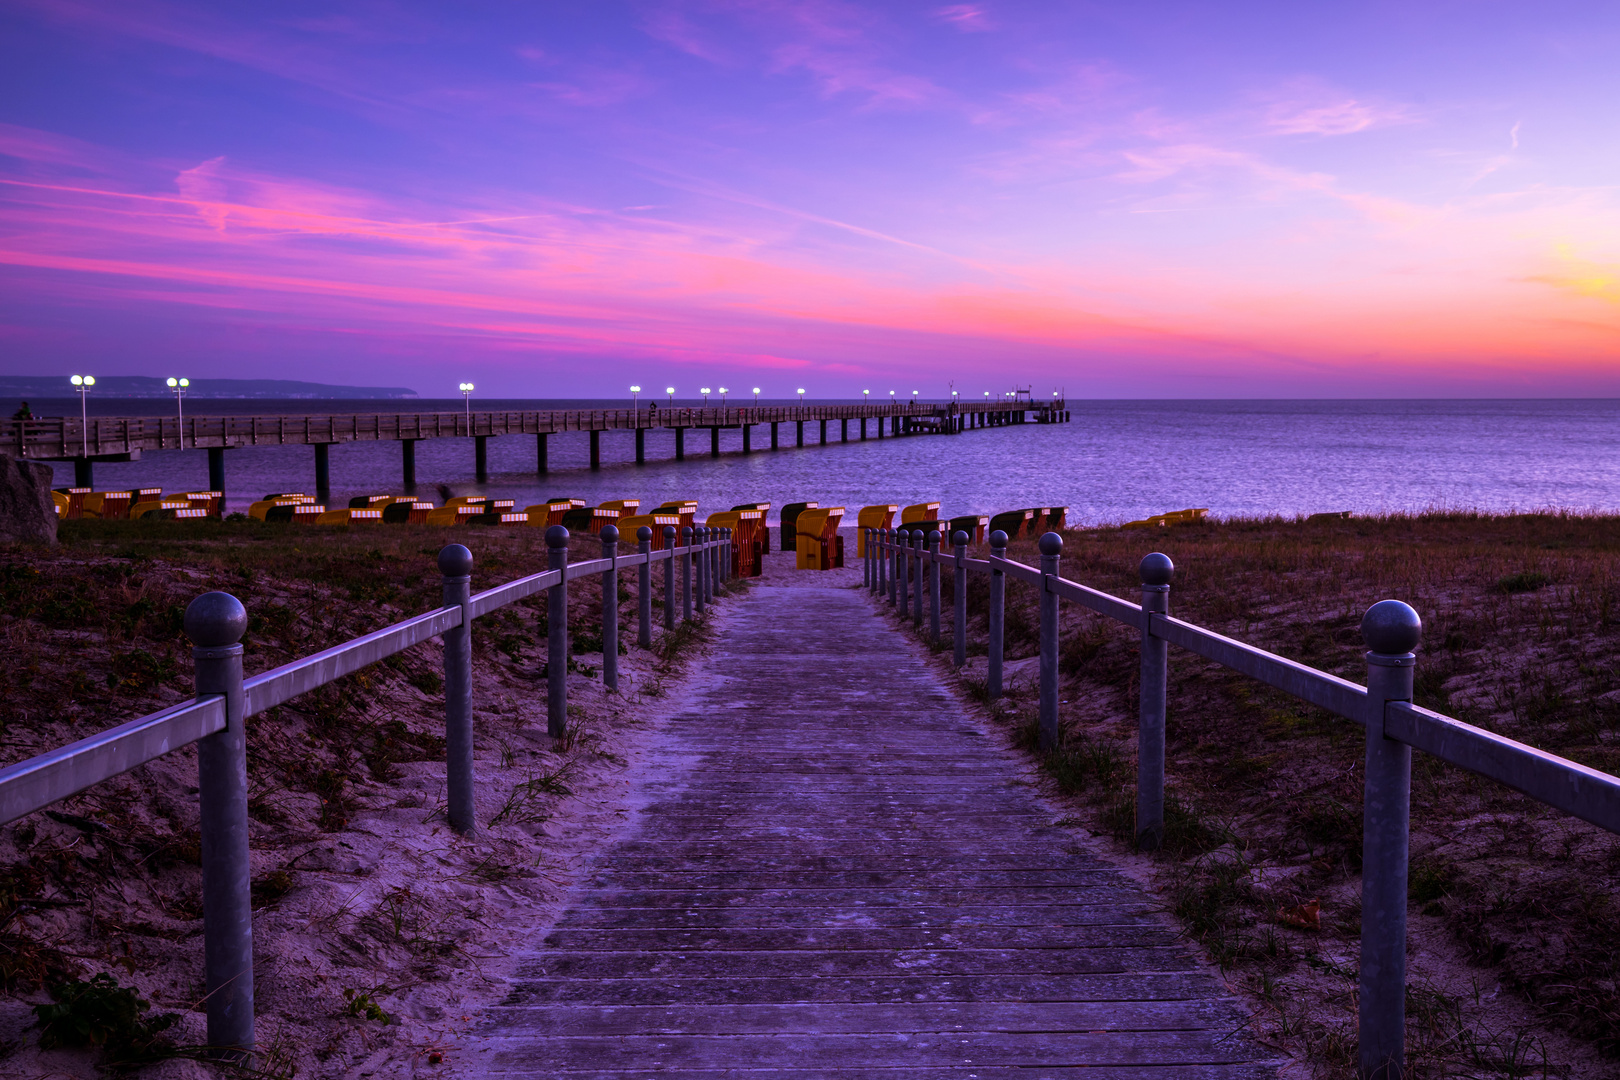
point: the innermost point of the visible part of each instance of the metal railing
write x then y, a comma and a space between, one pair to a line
63, 437
215, 622
901, 564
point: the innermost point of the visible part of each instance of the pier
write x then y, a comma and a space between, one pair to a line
112, 439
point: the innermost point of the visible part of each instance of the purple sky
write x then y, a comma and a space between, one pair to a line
1146, 200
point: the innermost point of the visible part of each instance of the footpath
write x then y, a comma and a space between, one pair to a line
832, 870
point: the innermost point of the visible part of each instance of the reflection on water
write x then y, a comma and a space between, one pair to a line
1118, 460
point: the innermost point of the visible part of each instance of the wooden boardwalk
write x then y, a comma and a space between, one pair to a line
837, 873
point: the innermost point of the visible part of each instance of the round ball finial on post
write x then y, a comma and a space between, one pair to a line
959, 538
455, 561
644, 534
1156, 569
215, 620
610, 534
556, 537
998, 540
1051, 544
1391, 628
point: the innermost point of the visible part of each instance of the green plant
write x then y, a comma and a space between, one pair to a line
101, 1013
363, 1004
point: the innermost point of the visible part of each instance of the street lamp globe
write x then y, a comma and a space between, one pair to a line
801, 395
756, 396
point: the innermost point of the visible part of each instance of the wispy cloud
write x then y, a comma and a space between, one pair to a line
968, 17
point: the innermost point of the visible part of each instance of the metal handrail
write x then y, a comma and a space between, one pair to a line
896, 556
216, 621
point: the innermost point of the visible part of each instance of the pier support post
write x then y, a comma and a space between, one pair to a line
680, 444
801, 433
596, 449
669, 579
455, 564
481, 457
557, 634
843, 430
610, 608
407, 462
641, 446
998, 613
748, 438
714, 441
824, 433
1391, 630
644, 588
541, 465
84, 473
215, 622
1156, 571
774, 425
863, 429
216, 469
1051, 545
323, 470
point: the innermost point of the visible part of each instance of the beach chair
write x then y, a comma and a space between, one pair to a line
919, 512
108, 505
211, 502
71, 506
790, 517
818, 544
451, 514
764, 530
686, 508
1015, 523
747, 548
624, 507
260, 511
977, 527
653, 521
872, 517
406, 512
350, 516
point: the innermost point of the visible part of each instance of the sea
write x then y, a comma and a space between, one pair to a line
1116, 461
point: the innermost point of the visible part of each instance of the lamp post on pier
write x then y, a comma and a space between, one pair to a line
705, 392
466, 400
670, 390
722, 397
756, 397
801, 395
83, 383
178, 386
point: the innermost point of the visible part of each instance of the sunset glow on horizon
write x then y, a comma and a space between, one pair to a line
1186, 200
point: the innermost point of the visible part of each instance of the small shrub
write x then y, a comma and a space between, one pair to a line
1522, 582
99, 1012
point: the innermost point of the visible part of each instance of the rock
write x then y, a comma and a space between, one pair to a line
27, 512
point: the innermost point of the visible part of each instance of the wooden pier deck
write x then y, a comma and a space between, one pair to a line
836, 872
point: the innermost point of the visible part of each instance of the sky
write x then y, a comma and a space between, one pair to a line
563, 199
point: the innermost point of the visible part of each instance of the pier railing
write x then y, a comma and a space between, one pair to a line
901, 565
215, 623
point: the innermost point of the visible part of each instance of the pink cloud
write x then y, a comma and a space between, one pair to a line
969, 17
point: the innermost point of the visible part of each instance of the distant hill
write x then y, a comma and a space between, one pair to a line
145, 386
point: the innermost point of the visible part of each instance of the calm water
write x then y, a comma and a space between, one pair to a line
1118, 460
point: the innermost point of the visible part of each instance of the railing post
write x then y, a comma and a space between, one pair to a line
456, 563
686, 573
669, 578
866, 563
1051, 545
557, 636
1391, 630
892, 549
644, 587
1156, 571
932, 541
920, 573
998, 621
699, 535
903, 570
610, 608
215, 622
959, 541
725, 555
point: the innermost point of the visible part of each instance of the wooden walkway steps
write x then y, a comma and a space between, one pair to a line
836, 873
